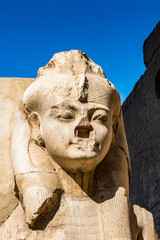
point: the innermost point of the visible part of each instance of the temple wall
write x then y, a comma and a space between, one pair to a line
11, 91
141, 112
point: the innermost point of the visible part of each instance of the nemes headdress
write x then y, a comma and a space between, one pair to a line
67, 72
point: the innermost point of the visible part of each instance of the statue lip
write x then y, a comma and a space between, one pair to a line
85, 144
77, 140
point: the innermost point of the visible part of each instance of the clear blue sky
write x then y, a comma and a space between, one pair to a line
111, 32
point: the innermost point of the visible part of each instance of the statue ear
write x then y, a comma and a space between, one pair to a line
36, 176
34, 123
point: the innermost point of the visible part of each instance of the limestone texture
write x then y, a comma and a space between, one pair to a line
11, 91
141, 111
70, 159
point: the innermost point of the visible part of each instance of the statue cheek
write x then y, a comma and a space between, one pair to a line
103, 133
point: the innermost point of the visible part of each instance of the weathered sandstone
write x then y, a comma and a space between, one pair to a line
11, 91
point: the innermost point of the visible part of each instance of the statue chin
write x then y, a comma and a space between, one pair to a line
83, 163
81, 155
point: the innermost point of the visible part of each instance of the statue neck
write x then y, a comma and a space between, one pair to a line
84, 180
79, 183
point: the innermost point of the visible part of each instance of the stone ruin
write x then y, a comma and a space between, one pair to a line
141, 112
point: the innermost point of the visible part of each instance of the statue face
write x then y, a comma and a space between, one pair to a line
77, 135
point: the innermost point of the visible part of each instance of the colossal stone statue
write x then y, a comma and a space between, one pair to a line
70, 159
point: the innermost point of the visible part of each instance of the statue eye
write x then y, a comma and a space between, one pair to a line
100, 117
65, 116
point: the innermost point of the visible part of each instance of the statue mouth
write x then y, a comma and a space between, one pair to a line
87, 144
85, 137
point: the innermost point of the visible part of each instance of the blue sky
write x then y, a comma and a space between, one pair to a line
110, 32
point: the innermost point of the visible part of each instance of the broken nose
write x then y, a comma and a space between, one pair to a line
83, 128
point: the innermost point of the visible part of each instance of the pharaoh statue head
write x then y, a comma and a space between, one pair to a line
68, 124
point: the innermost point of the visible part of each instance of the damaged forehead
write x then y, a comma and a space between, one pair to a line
73, 62
69, 76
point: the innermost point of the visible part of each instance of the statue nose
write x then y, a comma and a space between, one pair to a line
83, 128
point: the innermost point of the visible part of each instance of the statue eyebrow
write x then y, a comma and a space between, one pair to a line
107, 110
64, 105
